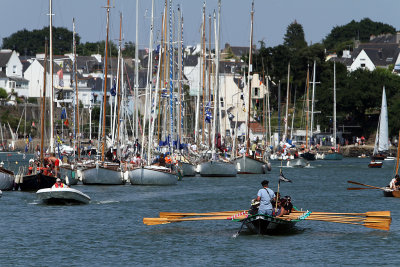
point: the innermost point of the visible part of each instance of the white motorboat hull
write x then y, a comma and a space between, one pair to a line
217, 169
297, 163
102, 176
6, 179
152, 175
64, 195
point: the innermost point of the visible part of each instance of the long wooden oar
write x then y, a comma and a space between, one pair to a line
368, 213
360, 188
351, 182
185, 214
369, 223
154, 221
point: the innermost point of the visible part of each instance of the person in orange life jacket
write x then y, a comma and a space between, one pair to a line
59, 184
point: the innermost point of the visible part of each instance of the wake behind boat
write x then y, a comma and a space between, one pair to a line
63, 195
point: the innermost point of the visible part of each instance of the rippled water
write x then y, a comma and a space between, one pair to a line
110, 232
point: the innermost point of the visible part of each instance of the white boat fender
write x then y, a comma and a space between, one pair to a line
269, 168
1, 193
67, 180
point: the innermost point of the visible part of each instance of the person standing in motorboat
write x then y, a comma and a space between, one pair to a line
59, 184
264, 196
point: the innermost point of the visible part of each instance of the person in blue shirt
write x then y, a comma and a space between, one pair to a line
264, 196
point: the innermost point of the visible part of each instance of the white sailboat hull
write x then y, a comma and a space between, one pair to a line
62, 195
102, 176
188, 169
246, 165
152, 175
217, 169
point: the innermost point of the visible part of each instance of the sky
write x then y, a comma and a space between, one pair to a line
271, 18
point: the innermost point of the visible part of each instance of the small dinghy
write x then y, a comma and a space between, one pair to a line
63, 195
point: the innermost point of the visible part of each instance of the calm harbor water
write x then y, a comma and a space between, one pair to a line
109, 231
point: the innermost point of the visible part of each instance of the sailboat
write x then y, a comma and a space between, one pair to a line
216, 167
102, 172
247, 164
6, 179
38, 177
153, 174
334, 155
382, 137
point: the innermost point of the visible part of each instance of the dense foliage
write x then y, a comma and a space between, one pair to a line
29, 43
342, 36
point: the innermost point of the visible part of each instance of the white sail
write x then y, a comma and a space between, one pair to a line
383, 139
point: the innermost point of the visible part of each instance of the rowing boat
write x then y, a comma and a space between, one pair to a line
264, 224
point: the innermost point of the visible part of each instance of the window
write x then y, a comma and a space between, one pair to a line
14, 69
256, 91
363, 65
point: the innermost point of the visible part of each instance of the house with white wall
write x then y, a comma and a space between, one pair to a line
11, 75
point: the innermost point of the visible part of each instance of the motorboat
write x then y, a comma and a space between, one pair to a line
64, 195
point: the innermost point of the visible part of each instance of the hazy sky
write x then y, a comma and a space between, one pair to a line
271, 17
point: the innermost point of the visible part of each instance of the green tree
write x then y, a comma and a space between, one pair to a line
29, 43
342, 36
294, 37
3, 93
129, 49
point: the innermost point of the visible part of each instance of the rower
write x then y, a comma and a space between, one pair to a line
395, 183
265, 195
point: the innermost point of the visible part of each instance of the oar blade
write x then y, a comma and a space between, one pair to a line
379, 226
378, 214
155, 221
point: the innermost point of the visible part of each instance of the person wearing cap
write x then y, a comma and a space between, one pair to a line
58, 184
264, 196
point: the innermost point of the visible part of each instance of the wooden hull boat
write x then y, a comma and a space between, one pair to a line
100, 175
64, 195
35, 182
152, 175
249, 165
308, 156
6, 179
391, 193
217, 169
375, 164
264, 224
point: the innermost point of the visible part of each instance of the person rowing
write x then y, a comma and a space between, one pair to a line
395, 183
264, 196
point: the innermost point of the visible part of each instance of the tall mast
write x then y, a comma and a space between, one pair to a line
269, 111
294, 110
51, 79
76, 109
308, 103
180, 76
249, 80
171, 86
149, 82
334, 105
136, 134
43, 104
216, 84
204, 70
287, 105
105, 83
209, 72
312, 101
119, 80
